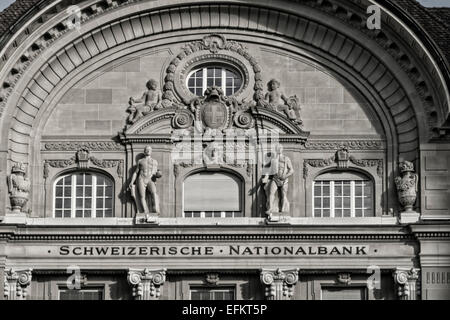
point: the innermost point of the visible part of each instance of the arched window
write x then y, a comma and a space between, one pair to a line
212, 195
83, 195
226, 78
343, 194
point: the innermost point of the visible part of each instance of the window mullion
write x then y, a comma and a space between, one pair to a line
332, 199
224, 78
204, 83
362, 199
352, 199
94, 197
313, 214
73, 201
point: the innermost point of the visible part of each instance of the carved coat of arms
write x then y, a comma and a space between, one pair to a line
212, 111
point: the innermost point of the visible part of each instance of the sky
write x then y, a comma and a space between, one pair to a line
427, 3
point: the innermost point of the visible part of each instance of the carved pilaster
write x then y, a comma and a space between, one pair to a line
279, 283
146, 283
408, 283
16, 283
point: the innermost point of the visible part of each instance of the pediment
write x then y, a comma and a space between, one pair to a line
157, 122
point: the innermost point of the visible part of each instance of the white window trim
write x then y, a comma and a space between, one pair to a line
73, 197
332, 199
205, 78
92, 288
222, 214
217, 289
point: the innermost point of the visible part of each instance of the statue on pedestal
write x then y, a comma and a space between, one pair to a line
151, 100
276, 181
146, 173
19, 187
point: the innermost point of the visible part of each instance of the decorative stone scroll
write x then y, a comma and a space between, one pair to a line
279, 283
146, 283
19, 187
408, 283
16, 283
342, 158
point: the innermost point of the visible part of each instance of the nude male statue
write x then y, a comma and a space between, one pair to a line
146, 173
281, 169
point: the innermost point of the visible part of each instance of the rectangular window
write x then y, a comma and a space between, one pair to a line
342, 198
213, 214
82, 294
83, 195
205, 293
347, 293
212, 195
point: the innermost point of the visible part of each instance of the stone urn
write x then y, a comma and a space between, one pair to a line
19, 187
406, 185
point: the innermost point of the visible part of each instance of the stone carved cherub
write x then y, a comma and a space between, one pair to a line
151, 100
276, 100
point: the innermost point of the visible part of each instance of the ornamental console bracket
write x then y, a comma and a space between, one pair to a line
16, 283
279, 283
146, 283
408, 283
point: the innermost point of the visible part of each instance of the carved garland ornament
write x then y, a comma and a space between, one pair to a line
351, 145
82, 159
341, 159
213, 43
77, 145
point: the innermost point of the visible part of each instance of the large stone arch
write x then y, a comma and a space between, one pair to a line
398, 85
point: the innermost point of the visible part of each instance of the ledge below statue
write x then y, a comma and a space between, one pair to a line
161, 221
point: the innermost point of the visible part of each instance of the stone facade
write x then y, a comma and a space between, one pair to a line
327, 111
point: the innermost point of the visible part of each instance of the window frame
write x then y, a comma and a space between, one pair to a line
223, 213
362, 287
213, 288
350, 176
223, 68
73, 196
91, 287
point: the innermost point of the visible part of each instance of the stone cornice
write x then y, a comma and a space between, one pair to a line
209, 237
